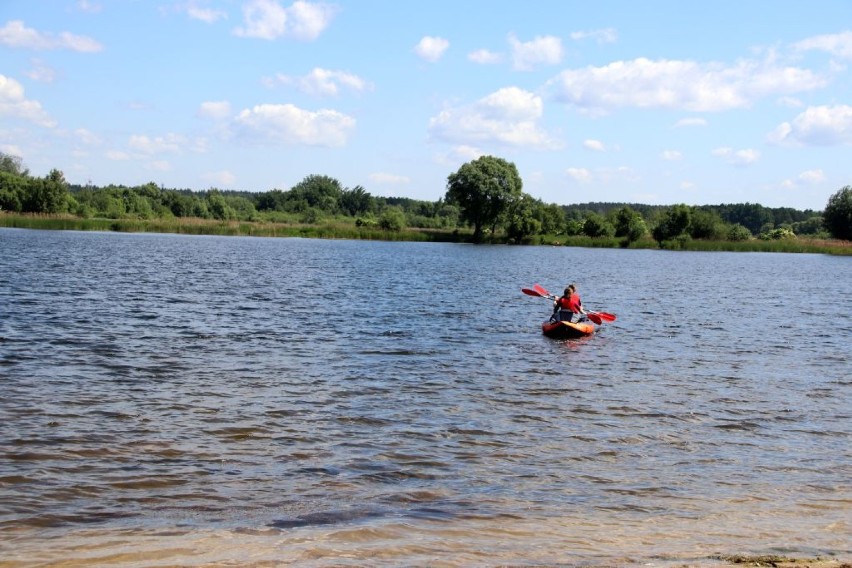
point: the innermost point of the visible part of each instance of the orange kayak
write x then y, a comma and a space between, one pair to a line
567, 330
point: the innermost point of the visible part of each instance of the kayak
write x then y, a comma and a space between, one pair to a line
566, 329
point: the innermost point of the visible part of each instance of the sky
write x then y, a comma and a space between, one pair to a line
654, 102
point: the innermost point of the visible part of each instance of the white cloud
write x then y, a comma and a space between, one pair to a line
509, 116
737, 157
16, 34
322, 82
139, 106
170, 143
817, 126
690, 122
207, 15
89, 7
393, 179
216, 110
543, 50
431, 48
790, 102
838, 45
595, 145
267, 19
812, 176
222, 178
288, 124
671, 155
676, 84
159, 166
14, 104
41, 72
581, 175
117, 155
617, 174
467, 153
87, 137
606, 35
484, 57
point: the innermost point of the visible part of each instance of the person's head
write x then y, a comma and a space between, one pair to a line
570, 289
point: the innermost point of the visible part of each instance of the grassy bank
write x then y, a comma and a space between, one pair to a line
341, 230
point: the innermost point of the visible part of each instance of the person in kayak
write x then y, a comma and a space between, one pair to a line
569, 306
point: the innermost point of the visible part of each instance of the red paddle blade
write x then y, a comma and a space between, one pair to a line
594, 317
541, 290
606, 316
529, 292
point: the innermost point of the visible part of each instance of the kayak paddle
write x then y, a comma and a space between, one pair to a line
599, 316
606, 316
542, 293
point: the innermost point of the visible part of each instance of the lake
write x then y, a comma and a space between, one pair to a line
178, 400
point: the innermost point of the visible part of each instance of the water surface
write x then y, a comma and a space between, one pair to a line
217, 401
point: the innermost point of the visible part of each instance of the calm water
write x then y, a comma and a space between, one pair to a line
171, 400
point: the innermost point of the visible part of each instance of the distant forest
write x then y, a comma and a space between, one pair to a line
319, 198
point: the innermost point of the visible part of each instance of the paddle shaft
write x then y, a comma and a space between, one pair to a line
540, 290
542, 293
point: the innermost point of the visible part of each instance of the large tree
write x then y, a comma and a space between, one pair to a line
484, 189
629, 224
48, 194
838, 214
13, 165
521, 219
674, 223
318, 191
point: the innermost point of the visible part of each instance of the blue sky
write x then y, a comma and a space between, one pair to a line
656, 102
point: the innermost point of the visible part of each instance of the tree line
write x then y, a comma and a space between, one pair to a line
485, 195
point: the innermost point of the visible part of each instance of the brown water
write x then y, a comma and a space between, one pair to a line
171, 400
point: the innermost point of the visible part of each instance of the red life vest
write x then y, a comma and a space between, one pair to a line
574, 303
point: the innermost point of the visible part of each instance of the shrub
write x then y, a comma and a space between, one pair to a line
738, 233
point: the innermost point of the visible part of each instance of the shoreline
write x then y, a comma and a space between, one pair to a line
195, 226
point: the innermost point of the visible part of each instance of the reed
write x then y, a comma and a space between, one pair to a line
345, 230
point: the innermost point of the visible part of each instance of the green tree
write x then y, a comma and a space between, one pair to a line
596, 225
322, 192
551, 217
448, 214
180, 204
738, 233
629, 225
484, 189
392, 219
48, 194
837, 216
705, 224
521, 219
13, 165
356, 201
13, 188
673, 223
810, 226
137, 205
219, 208
243, 207
271, 200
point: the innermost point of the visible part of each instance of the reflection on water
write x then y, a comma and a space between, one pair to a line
197, 400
